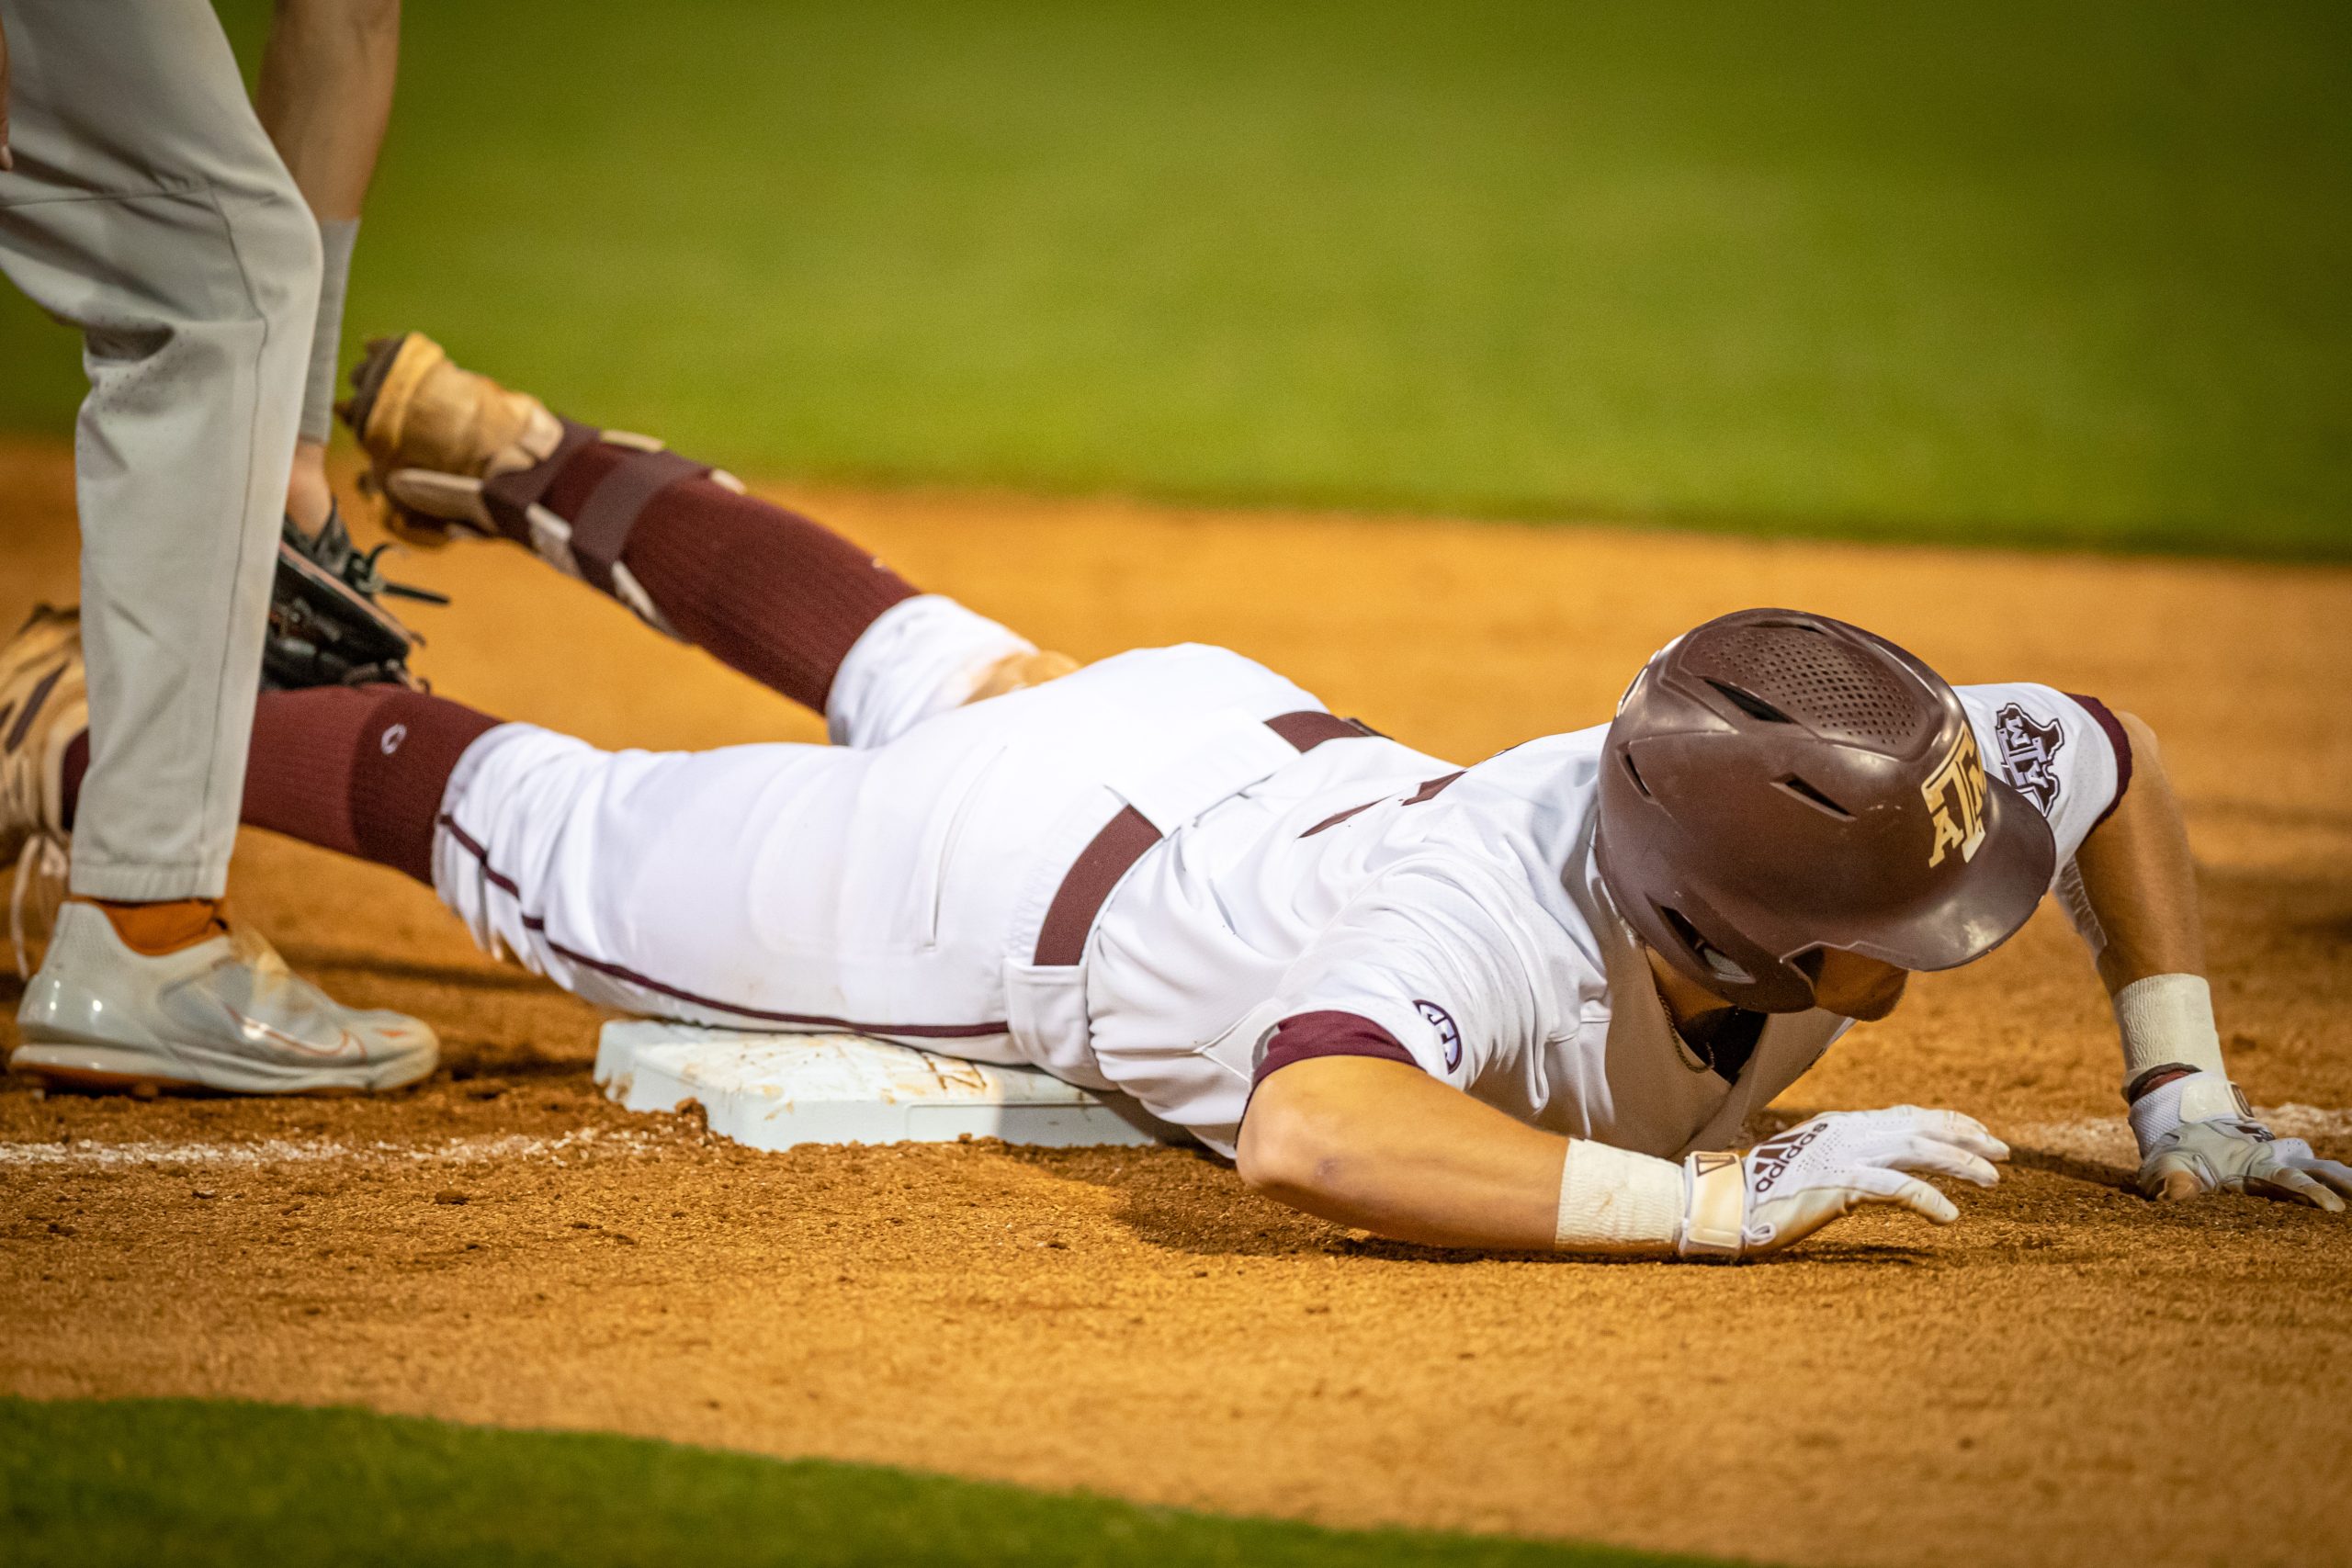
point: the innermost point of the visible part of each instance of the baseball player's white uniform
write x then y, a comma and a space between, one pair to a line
1131, 876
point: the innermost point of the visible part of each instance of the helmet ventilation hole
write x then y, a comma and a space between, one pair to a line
1634, 774
1839, 690
1749, 703
1812, 797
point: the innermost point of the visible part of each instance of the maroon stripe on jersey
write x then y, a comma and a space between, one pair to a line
1337, 818
2117, 739
1428, 791
505, 884
1432, 790
1311, 726
1305, 1035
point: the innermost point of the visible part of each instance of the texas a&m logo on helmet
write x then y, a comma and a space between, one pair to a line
1955, 797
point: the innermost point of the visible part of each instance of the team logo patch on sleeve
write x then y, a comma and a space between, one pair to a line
2028, 753
1448, 1033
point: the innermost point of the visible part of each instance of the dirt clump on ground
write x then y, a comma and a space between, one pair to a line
2070, 1375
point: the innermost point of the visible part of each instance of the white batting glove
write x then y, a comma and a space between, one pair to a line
2198, 1136
1790, 1185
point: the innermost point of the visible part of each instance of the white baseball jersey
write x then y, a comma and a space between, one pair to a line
901, 883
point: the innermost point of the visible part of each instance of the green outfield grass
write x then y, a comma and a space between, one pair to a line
2004, 270
141, 1482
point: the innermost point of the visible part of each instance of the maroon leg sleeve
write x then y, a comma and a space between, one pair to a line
764, 590
356, 769
359, 768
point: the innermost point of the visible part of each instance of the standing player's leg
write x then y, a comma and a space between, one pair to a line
783, 598
112, 1007
147, 207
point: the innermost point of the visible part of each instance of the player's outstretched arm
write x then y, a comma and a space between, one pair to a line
1382, 1146
2195, 1131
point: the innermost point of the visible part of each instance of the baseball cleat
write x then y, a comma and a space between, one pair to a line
44, 703
433, 431
225, 1014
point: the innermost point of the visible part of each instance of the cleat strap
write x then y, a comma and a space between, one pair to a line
601, 531
509, 497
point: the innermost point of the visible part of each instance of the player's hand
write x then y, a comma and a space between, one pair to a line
1793, 1184
2198, 1136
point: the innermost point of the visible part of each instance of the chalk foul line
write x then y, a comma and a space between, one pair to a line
2101, 1140
580, 1142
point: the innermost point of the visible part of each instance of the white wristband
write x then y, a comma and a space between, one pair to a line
2167, 1019
1615, 1201
1716, 1212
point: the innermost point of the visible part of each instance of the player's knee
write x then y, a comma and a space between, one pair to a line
283, 237
276, 252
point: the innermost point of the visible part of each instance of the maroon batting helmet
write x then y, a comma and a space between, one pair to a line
1777, 783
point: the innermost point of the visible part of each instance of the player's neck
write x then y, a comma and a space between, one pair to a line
1685, 998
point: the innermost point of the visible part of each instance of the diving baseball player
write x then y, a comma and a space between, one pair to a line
1526, 1003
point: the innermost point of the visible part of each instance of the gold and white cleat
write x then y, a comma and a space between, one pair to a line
433, 431
44, 703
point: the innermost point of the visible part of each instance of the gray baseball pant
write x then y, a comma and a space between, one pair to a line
149, 208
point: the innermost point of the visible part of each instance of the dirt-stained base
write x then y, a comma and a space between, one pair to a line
2068, 1376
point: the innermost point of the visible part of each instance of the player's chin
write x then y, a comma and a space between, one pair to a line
1874, 1004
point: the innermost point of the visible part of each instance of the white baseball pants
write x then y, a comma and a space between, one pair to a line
896, 884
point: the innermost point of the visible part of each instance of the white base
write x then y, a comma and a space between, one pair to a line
774, 1091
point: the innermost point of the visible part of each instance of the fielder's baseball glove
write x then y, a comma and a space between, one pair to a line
325, 627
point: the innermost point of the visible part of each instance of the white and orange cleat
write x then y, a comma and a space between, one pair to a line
224, 1013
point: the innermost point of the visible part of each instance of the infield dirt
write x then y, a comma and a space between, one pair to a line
2070, 1375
